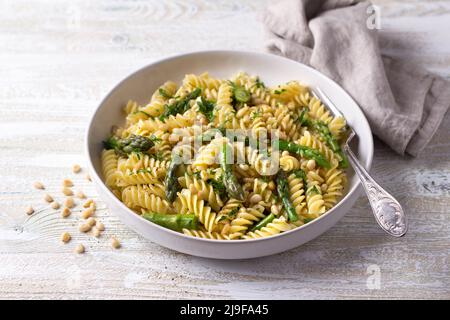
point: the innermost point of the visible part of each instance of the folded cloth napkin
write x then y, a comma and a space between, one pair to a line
403, 103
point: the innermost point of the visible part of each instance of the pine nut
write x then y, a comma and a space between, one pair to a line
67, 183
30, 211
285, 153
38, 185
88, 178
80, 194
254, 199
65, 237
311, 164
324, 187
115, 243
55, 205
65, 212
87, 203
67, 191
271, 185
100, 226
91, 221
244, 167
76, 168
85, 227
87, 213
97, 233
79, 248
69, 203
93, 206
48, 198
275, 210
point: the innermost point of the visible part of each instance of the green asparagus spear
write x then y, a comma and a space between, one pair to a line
176, 222
304, 152
134, 143
181, 105
240, 94
264, 222
234, 189
171, 181
283, 193
323, 129
326, 134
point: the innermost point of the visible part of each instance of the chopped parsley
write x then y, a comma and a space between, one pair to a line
164, 93
218, 187
255, 114
207, 108
259, 84
181, 105
279, 91
313, 190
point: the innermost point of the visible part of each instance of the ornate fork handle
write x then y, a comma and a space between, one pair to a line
387, 211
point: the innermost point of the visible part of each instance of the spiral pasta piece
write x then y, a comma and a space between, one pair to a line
136, 197
189, 203
245, 218
297, 194
277, 226
205, 234
109, 165
204, 191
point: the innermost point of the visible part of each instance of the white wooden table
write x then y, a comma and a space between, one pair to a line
57, 60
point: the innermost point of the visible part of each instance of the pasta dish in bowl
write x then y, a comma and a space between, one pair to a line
229, 158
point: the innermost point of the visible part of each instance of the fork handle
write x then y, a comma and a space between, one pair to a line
387, 211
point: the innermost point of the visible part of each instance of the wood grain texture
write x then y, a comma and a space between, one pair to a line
57, 60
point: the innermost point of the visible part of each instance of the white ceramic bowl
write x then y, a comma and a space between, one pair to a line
223, 64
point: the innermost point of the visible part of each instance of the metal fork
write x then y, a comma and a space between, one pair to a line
387, 211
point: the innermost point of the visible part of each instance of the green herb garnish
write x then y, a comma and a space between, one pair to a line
207, 108
180, 106
279, 91
164, 93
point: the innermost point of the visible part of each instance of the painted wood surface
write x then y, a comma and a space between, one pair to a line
58, 59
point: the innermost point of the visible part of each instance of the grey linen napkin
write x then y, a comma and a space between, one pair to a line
403, 103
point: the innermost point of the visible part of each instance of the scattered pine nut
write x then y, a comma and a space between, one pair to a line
79, 248
48, 198
38, 185
254, 199
55, 205
30, 210
88, 203
93, 206
275, 210
88, 178
69, 203
97, 233
311, 164
67, 183
87, 213
91, 221
115, 243
100, 226
76, 168
67, 191
80, 194
85, 227
65, 237
65, 212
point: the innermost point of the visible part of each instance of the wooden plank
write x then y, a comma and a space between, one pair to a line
57, 61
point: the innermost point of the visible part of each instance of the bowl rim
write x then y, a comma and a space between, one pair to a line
98, 180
